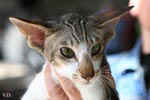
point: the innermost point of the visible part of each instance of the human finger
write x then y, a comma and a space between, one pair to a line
69, 88
55, 92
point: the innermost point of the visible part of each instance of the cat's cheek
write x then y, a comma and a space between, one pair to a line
67, 70
97, 64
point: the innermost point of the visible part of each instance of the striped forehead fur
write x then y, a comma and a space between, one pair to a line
76, 28
78, 24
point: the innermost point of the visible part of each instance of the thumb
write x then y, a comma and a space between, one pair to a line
55, 91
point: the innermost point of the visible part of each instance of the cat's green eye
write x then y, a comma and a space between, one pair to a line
96, 49
67, 52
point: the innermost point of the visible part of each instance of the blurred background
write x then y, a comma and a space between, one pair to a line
19, 64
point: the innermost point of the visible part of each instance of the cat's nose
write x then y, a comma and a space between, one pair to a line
86, 68
87, 72
88, 76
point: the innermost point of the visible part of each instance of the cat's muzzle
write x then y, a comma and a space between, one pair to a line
78, 77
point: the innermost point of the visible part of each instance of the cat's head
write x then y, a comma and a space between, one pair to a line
73, 44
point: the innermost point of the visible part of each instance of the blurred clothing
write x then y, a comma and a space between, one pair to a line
125, 36
128, 74
145, 62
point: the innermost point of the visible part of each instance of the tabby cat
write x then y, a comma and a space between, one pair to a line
74, 46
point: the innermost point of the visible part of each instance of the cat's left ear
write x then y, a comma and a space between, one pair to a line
34, 33
108, 19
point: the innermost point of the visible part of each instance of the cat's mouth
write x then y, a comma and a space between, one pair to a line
78, 79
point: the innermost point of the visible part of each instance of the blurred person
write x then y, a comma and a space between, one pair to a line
125, 37
131, 69
141, 11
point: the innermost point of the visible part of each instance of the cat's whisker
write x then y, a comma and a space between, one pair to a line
75, 76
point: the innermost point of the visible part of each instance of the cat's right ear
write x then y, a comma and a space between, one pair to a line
107, 19
34, 33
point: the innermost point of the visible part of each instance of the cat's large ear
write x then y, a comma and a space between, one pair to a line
107, 19
34, 33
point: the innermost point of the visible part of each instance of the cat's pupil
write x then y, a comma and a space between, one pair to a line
67, 52
96, 49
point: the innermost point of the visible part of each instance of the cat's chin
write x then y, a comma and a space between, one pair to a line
82, 81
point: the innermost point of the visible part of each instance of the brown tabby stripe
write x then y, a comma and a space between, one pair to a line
74, 31
79, 29
106, 70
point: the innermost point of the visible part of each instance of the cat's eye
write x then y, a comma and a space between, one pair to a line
67, 52
96, 49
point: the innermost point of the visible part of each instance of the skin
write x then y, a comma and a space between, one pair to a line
55, 90
141, 11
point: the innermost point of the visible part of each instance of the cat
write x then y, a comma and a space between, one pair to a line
74, 46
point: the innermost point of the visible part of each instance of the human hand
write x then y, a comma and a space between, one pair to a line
63, 91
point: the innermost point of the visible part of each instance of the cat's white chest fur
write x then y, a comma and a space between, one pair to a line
37, 89
92, 91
